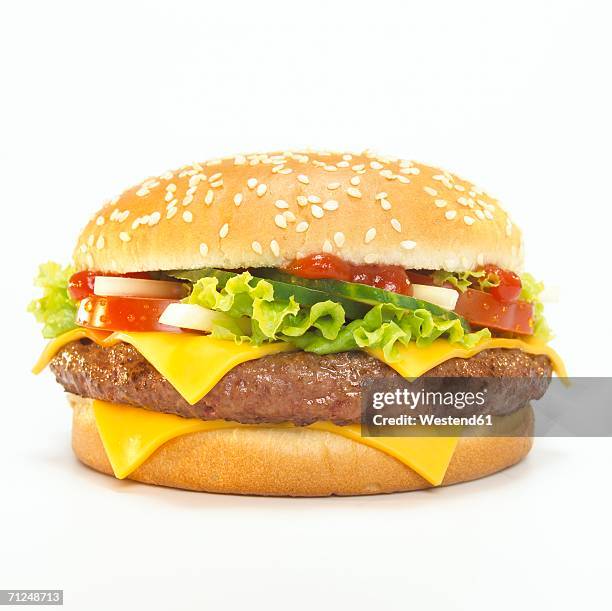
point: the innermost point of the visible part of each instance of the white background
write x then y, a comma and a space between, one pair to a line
514, 95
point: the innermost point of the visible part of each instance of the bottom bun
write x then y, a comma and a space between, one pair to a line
294, 462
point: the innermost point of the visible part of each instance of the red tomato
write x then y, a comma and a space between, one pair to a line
484, 310
81, 284
123, 313
389, 277
509, 287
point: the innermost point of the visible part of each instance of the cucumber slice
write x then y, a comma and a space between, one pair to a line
361, 293
283, 290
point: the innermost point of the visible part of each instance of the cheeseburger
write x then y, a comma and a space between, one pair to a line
219, 322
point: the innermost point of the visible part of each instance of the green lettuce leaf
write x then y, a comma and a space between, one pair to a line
321, 328
464, 280
530, 292
55, 310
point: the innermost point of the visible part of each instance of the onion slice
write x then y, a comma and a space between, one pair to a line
438, 295
112, 286
192, 316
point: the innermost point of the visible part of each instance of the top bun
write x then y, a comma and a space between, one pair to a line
266, 209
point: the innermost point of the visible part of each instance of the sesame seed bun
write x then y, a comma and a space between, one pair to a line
265, 210
294, 462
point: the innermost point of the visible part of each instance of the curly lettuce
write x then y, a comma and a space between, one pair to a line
464, 280
530, 292
55, 310
322, 328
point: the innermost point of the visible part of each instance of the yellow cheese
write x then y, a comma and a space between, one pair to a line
415, 361
131, 434
192, 363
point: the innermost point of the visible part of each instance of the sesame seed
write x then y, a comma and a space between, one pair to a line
187, 200
333, 185
215, 177
169, 196
381, 195
89, 259
203, 249
275, 248
463, 201
252, 183
358, 168
331, 205
239, 160
468, 220
488, 214
385, 204
285, 171
339, 239
407, 244
210, 195
375, 165
224, 230
216, 184
343, 164
142, 192
330, 168
430, 191
83, 248
302, 200
459, 187
154, 218
313, 199
480, 214
439, 177
289, 216
403, 179
396, 225
317, 211
303, 179
261, 189
388, 174
281, 203
370, 235
100, 221
124, 236
355, 180
90, 239
405, 163
353, 192
100, 243
171, 187
327, 246
280, 221
187, 216
440, 203
450, 214
171, 212
256, 246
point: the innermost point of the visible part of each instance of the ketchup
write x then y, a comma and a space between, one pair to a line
388, 277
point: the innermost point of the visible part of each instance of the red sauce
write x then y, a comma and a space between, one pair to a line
389, 277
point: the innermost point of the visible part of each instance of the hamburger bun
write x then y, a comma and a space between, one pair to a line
264, 210
295, 462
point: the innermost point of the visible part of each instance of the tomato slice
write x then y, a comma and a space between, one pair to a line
81, 284
509, 287
123, 313
484, 310
388, 277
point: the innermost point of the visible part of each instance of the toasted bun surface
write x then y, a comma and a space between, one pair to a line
292, 462
265, 210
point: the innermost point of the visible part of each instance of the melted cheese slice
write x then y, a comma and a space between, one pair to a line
131, 434
192, 363
415, 361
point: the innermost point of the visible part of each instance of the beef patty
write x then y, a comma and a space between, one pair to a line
298, 387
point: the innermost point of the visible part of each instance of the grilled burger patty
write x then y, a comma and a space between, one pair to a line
298, 387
